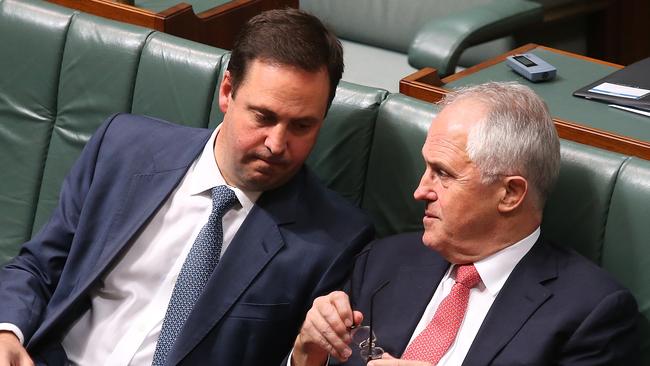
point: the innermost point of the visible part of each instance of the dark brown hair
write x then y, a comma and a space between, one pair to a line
287, 37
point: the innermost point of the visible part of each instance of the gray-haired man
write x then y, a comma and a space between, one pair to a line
480, 286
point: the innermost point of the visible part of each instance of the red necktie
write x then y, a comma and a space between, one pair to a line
434, 341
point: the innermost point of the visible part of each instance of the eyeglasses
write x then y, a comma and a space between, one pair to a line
364, 337
366, 340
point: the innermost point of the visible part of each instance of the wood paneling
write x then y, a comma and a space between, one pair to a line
216, 27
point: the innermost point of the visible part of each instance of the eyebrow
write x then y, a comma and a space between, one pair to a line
262, 110
440, 165
270, 113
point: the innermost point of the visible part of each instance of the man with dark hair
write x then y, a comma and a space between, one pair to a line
265, 38
480, 285
174, 245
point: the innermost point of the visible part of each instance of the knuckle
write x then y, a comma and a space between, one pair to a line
327, 312
317, 301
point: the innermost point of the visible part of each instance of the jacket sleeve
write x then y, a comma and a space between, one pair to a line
607, 336
28, 281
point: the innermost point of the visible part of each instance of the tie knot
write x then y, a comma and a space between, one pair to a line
467, 275
223, 198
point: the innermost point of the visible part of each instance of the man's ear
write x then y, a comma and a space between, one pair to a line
515, 189
225, 91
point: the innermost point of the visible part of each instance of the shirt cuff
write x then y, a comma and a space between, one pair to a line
15, 330
289, 363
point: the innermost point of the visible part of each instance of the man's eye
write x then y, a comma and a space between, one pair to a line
441, 173
263, 118
302, 127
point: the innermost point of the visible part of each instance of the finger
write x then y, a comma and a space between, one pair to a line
388, 360
25, 360
397, 362
330, 308
317, 329
382, 362
339, 341
358, 317
341, 302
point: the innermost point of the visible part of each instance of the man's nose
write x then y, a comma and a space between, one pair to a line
425, 191
276, 140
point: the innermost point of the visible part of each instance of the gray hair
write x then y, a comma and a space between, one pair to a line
517, 137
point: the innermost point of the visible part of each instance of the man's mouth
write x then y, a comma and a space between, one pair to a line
430, 214
273, 160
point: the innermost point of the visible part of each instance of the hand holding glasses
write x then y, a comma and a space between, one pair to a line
365, 338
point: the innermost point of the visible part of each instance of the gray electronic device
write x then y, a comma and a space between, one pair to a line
531, 67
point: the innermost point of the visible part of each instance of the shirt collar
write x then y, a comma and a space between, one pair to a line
204, 175
495, 269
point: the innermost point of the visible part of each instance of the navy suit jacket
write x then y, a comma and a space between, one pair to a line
298, 242
556, 308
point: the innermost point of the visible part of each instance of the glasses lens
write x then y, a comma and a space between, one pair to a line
375, 353
361, 336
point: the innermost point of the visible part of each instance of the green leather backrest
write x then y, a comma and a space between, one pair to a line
100, 59
576, 211
152, 73
61, 75
177, 80
626, 253
342, 151
396, 164
216, 115
390, 24
31, 44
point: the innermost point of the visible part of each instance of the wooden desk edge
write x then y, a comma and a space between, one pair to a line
426, 85
120, 12
602, 139
235, 5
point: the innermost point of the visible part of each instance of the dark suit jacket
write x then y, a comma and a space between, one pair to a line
556, 308
296, 243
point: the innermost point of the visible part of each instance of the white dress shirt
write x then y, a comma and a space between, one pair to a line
128, 306
494, 271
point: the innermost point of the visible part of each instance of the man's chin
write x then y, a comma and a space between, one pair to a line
431, 241
263, 182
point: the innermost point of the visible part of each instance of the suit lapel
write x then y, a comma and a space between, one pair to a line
255, 244
412, 289
147, 190
146, 193
522, 294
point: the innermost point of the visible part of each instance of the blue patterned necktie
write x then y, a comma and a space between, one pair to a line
195, 273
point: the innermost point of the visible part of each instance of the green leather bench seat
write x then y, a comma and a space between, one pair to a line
626, 253
93, 83
340, 157
396, 164
62, 73
169, 72
386, 40
32, 39
577, 211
